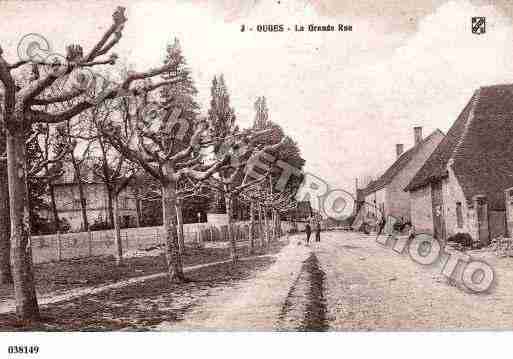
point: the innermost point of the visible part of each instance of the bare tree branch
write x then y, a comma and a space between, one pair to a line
202, 175
70, 95
135, 156
195, 140
43, 164
115, 29
244, 186
18, 64
147, 74
159, 84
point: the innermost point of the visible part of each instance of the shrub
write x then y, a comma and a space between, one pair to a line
464, 239
100, 225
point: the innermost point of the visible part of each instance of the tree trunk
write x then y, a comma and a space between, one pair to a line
266, 224
21, 251
273, 225
117, 232
5, 231
53, 204
278, 224
110, 209
231, 237
137, 208
261, 223
251, 228
179, 218
83, 207
174, 258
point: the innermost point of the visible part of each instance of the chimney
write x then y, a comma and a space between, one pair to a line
417, 131
399, 148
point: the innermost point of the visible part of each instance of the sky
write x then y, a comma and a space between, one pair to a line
346, 97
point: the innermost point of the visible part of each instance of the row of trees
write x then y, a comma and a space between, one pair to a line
145, 124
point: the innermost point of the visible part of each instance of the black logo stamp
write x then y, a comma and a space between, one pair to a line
478, 25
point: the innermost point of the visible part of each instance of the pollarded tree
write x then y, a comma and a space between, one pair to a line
167, 148
288, 159
180, 95
26, 105
233, 180
113, 169
264, 200
229, 190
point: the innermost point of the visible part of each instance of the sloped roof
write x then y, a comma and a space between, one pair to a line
480, 144
397, 166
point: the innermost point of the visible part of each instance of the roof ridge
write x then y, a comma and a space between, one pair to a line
402, 161
469, 121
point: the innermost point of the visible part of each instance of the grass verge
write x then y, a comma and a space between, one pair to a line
143, 305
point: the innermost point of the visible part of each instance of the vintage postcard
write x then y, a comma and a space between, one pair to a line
255, 166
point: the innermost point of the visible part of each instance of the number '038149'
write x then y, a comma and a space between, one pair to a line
22, 349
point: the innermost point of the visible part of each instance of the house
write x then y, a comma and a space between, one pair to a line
302, 212
466, 184
67, 199
386, 194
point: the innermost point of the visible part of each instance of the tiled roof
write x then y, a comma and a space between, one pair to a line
480, 144
396, 167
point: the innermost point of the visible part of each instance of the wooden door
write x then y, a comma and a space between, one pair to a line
482, 221
438, 212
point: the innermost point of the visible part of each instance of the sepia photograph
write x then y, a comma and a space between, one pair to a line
256, 171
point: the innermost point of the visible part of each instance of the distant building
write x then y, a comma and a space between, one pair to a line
466, 185
386, 194
68, 200
302, 212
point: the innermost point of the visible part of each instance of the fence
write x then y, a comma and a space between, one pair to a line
56, 247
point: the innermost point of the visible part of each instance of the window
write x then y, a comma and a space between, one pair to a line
76, 203
459, 215
124, 203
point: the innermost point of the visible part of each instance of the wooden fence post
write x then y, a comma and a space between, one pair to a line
59, 248
90, 242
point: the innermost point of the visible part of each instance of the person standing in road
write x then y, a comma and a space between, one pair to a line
308, 231
382, 223
411, 232
318, 232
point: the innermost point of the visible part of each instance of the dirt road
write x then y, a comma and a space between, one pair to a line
350, 282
